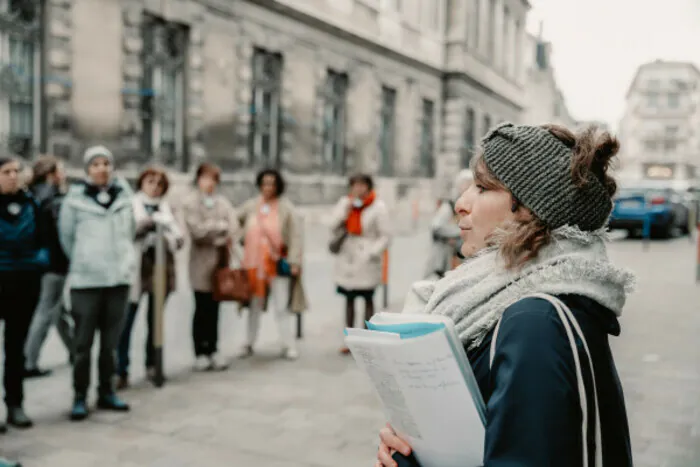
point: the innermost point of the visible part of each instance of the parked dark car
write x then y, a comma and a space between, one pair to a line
665, 208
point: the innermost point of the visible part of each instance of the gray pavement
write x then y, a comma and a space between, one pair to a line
319, 411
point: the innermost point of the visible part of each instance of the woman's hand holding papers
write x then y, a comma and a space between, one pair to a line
390, 443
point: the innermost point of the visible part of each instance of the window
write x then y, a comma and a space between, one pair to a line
334, 97
20, 72
653, 99
266, 118
476, 23
427, 137
469, 136
492, 30
387, 131
487, 124
671, 131
650, 145
669, 145
506, 39
163, 101
673, 100
654, 84
517, 49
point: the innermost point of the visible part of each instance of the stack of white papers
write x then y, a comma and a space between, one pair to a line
420, 371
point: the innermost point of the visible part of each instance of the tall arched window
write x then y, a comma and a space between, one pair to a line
163, 102
20, 76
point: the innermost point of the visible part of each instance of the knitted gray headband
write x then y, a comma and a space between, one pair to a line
536, 167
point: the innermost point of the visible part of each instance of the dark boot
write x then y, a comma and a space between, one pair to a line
17, 418
112, 402
36, 373
3, 430
79, 411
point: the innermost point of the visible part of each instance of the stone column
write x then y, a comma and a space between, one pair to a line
57, 89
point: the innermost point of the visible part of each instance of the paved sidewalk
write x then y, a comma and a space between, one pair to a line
319, 411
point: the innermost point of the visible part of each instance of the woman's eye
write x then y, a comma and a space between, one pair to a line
481, 188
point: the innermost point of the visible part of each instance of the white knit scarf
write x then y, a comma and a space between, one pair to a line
476, 294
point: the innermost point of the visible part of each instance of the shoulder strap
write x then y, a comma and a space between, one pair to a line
569, 320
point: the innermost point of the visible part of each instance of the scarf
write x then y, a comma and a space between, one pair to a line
476, 293
159, 210
263, 247
353, 224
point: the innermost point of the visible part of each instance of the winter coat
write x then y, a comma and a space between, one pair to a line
210, 228
533, 408
21, 248
145, 241
292, 235
358, 264
98, 241
50, 198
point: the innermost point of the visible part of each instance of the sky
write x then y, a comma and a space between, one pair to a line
598, 45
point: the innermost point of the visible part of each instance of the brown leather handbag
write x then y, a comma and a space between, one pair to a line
229, 284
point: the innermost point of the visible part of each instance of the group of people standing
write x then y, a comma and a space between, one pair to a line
82, 257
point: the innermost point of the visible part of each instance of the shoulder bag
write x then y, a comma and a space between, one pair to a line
230, 284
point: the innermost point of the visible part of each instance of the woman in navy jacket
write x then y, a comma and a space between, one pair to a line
22, 262
534, 223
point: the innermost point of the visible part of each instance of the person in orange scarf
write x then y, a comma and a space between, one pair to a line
273, 246
358, 266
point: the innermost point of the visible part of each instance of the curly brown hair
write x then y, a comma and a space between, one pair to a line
593, 151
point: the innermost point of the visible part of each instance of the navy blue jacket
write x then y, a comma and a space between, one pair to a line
534, 416
20, 234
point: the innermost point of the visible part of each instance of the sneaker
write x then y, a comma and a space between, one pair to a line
290, 353
217, 362
112, 402
79, 411
17, 418
36, 373
202, 364
246, 352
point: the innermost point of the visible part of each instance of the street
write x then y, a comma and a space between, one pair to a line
319, 411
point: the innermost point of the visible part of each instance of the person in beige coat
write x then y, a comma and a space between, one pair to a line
358, 265
273, 254
213, 226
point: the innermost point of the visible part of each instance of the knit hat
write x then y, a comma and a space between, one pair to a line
97, 151
536, 167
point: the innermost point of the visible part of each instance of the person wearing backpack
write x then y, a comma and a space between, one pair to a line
536, 300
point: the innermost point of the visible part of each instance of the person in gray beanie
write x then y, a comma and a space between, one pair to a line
96, 230
535, 302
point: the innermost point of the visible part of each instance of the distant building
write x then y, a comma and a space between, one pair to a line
660, 128
316, 88
545, 102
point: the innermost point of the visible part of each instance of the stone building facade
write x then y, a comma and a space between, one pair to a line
317, 88
659, 127
545, 101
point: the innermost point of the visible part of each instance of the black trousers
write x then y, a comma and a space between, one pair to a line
97, 309
123, 358
205, 324
19, 294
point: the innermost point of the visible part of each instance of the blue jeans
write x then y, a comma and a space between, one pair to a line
123, 359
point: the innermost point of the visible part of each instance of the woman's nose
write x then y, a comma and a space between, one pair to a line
464, 203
